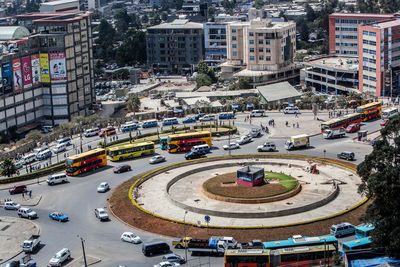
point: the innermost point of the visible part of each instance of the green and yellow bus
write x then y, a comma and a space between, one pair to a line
86, 161
129, 151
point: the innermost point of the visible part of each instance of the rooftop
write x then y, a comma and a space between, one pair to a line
346, 64
278, 91
179, 24
8, 33
58, 2
361, 15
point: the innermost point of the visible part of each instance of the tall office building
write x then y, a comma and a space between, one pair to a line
47, 70
214, 43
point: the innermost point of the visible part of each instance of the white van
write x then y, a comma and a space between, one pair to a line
45, 154
291, 110
58, 178
29, 158
207, 118
59, 148
65, 140
257, 113
201, 149
91, 132
343, 229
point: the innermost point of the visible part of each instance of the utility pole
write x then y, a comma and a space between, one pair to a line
83, 250
229, 137
184, 236
80, 136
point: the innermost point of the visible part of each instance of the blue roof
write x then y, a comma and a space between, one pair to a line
375, 262
296, 241
352, 244
365, 227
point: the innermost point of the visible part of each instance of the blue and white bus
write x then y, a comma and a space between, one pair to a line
170, 121
226, 116
299, 241
129, 127
364, 230
357, 244
150, 124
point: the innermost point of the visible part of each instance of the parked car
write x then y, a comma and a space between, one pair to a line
244, 139
231, 146
267, 147
103, 187
291, 110
157, 159
101, 214
352, 128
122, 168
60, 257
174, 258
131, 238
27, 213
194, 155
11, 205
59, 148
347, 155
18, 189
58, 216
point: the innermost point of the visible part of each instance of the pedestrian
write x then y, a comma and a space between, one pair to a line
293, 125
297, 124
23, 195
296, 115
30, 193
116, 137
287, 123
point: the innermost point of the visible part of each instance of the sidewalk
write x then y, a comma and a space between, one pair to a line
79, 262
13, 231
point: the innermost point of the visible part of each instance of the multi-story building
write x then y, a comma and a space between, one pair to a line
214, 43
332, 75
47, 70
175, 47
60, 6
343, 37
379, 56
265, 48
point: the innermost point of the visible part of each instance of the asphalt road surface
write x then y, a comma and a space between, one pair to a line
79, 198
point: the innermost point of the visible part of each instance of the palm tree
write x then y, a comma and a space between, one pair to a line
7, 167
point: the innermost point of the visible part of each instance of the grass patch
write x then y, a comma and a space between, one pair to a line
285, 180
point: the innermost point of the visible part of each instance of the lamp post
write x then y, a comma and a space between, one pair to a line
83, 251
184, 235
229, 137
80, 136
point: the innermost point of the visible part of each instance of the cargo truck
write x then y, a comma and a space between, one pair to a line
297, 141
214, 245
334, 133
31, 245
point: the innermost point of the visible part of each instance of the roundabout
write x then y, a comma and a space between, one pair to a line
176, 193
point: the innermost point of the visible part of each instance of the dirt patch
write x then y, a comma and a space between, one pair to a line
224, 185
123, 208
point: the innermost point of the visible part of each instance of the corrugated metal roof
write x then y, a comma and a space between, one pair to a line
179, 24
13, 33
278, 91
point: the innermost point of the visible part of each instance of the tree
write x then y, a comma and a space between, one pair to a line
122, 21
32, 6
203, 80
133, 103
164, 16
145, 19
244, 83
34, 135
7, 168
258, 4
133, 49
310, 13
106, 40
202, 68
368, 6
380, 174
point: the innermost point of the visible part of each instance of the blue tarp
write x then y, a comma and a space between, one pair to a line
375, 262
235, 106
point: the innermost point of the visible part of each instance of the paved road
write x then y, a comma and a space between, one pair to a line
79, 199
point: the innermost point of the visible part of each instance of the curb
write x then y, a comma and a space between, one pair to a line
147, 175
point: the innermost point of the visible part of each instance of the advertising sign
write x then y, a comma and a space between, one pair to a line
26, 72
17, 74
44, 68
57, 66
35, 69
6, 74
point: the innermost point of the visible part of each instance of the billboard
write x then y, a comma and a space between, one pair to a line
6, 73
26, 72
57, 66
35, 69
17, 74
44, 68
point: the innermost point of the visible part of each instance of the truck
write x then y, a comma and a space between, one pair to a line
207, 248
297, 141
31, 245
334, 133
214, 245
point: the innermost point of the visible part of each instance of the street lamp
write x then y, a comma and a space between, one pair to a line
83, 251
184, 235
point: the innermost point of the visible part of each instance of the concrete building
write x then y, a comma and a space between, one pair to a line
60, 6
277, 94
48, 73
214, 43
175, 47
332, 75
343, 37
379, 56
264, 49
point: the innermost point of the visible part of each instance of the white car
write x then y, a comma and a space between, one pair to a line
157, 159
103, 187
167, 264
27, 213
244, 139
267, 147
11, 205
231, 146
101, 214
19, 164
131, 238
60, 257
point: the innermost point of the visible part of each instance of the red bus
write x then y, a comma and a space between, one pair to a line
342, 122
85, 162
370, 111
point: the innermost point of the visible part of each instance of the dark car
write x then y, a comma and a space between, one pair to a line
346, 155
155, 248
18, 189
122, 168
194, 155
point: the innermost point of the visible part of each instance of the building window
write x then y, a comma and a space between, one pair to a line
260, 41
252, 50
268, 58
233, 38
233, 30
261, 58
251, 42
234, 45
251, 58
251, 33
261, 50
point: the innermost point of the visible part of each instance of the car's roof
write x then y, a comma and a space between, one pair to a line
127, 233
100, 209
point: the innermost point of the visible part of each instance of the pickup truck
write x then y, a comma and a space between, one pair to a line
31, 245
204, 248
